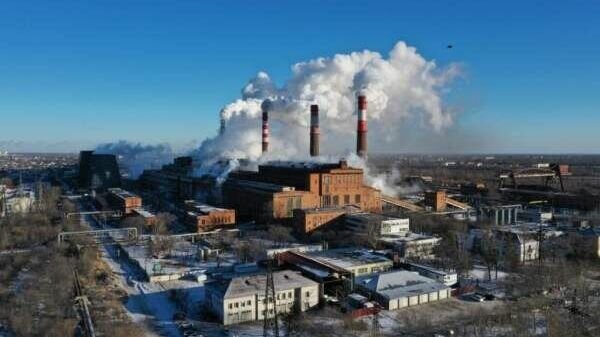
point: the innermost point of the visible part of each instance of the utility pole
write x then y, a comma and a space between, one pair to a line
270, 322
375, 324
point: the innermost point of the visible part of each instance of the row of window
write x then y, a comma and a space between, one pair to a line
238, 304
280, 296
329, 200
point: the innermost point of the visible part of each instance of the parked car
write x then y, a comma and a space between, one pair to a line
475, 297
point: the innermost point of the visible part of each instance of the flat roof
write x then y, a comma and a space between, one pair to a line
430, 269
399, 284
204, 208
260, 186
122, 193
309, 166
348, 257
409, 237
144, 213
255, 284
372, 217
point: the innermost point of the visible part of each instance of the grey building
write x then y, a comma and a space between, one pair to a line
242, 299
400, 289
98, 171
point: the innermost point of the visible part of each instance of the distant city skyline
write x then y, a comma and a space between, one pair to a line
76, 74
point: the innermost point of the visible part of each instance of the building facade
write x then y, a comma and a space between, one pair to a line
278, 188
401, 289
206, 218
242, 299
123, 201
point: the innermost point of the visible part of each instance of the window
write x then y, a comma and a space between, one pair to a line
336, 200
237, 305
249, 302
346, 199
243, 304
230, 305
308, 294
290, 294
357, 198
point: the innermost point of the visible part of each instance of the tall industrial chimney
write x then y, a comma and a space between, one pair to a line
266, 105
314, 130
222, 127
361, 128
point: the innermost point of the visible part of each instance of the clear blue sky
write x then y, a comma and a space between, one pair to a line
80, 72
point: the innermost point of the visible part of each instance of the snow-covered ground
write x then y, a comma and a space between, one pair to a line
480, 272
151, 305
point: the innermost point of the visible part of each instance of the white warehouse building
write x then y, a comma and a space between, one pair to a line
242, 299
401, 289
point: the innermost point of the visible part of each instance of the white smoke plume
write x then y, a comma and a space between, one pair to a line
400, 87
134, 158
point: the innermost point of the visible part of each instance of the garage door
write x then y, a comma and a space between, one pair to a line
403, 302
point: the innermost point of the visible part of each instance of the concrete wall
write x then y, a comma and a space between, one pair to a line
411, 301
252, 308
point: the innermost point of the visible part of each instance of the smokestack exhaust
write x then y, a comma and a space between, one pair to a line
361, 128
314, 130
266, 106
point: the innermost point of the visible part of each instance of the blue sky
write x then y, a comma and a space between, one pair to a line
74, 73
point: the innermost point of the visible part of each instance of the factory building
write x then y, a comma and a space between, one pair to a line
411, 245
357, 262
380, 224
520, 243
278, 188
98, 171
123, 201
445, 277
401, 289
205, 218
309, 219
176, 181
242, 299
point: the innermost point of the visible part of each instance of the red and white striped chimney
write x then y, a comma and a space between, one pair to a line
361, 128
314, 130
266, 105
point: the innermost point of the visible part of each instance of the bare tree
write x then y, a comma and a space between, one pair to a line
162, 223
280, 234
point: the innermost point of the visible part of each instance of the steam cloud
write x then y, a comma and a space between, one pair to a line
400, 87
136, 157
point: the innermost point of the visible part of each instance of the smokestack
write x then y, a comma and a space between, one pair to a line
361, 128
222, 127
314, 130
266, 105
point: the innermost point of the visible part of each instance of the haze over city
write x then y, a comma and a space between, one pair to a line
160, 73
